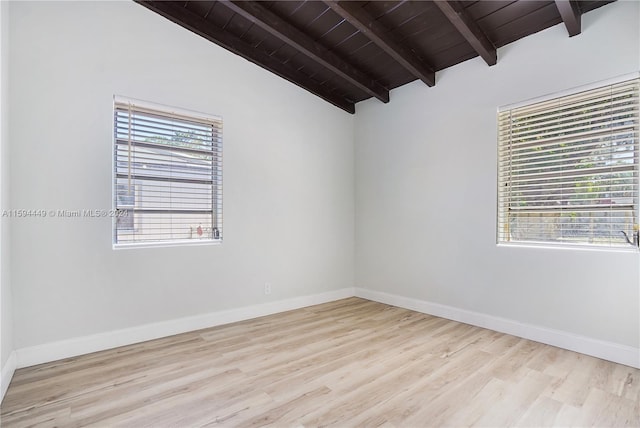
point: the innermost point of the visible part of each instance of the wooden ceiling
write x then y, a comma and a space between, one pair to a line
349, 51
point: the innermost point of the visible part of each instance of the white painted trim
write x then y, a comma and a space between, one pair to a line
98, 342
610, 351
39, 354
157, 107
7, 374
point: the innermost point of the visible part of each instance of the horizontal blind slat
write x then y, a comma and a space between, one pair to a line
568, 168
167, 175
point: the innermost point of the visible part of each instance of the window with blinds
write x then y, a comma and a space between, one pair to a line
167, 175
568, 169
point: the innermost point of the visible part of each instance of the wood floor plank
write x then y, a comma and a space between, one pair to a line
347, 363
542, 413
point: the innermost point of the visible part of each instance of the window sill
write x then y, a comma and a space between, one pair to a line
165, 244
574, 247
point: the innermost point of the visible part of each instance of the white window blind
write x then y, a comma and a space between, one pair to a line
167, 175
568, 168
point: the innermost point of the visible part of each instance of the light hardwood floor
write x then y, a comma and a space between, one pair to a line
347, 363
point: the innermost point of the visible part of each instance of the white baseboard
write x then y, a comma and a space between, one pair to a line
617, 353
30, 356
98, 342
7, 373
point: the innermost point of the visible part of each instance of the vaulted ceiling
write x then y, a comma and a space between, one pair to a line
349, 51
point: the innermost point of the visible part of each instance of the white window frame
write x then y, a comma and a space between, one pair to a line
508, 138
206, 155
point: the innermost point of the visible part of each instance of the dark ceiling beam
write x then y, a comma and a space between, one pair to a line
281, 29
571, 15
353, 13
469, 29
201, 26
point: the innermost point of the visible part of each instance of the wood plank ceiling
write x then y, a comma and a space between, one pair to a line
348, 51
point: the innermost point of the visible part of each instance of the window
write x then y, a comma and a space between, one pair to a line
167, 175
568, 168
125, 203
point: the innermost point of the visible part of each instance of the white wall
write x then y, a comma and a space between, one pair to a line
288, 175
426, 190
289, 181
6, 316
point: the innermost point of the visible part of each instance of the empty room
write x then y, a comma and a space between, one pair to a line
320, 213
